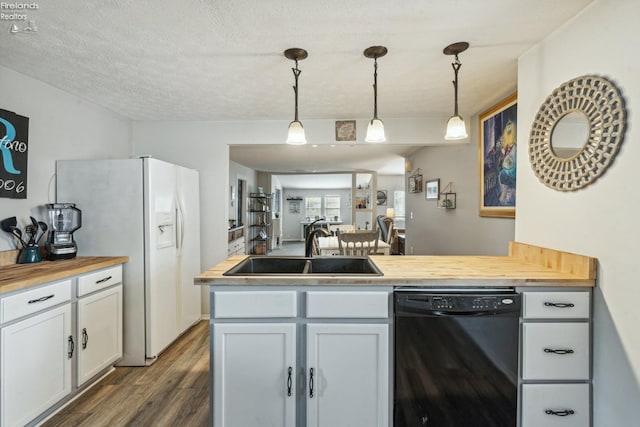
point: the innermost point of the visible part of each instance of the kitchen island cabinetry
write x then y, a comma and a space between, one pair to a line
57, 337
554, 372
556, 358
278, 363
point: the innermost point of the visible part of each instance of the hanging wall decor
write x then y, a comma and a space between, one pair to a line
14, 150
497, 157
577, 133
415, 182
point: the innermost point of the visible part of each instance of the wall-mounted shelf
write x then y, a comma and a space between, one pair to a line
447, 198
447, 201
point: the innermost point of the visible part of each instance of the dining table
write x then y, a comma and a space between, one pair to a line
329, 246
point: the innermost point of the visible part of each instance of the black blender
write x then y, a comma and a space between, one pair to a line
64, 219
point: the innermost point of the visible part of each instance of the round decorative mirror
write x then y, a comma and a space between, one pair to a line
577, 133
569, 135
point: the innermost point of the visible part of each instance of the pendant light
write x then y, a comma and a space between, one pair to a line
296, 130
375, 130
456, 128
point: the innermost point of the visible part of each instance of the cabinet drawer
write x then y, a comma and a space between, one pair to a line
555, 351
34, 300
347, 304
555, 405
254, 304
97, 280
556, 305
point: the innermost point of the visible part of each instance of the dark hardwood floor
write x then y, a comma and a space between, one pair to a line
174, 391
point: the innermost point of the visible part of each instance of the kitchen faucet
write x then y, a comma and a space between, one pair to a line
310, 240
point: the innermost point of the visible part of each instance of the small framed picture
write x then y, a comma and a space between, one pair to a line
345, 130
432, 189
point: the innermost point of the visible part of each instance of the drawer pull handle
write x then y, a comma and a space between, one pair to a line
559, 304
103, 280
289, 381
70, 347
33, 301
85, 338
562, 413
311, 383
558, 351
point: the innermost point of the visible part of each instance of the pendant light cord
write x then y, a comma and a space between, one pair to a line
375, 89
456, 66
296, 73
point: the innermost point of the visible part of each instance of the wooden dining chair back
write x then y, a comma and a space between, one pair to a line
358, 244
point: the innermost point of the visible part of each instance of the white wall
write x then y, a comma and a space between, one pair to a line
600, 220
61, 126
460, 231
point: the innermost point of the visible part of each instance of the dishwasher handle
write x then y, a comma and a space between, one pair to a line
411, 312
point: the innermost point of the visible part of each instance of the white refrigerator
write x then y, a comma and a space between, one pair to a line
148, 210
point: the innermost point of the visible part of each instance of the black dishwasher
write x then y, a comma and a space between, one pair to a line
456, 357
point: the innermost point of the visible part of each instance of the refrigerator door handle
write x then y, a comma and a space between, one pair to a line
179, 226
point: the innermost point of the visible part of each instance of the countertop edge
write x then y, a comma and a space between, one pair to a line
525, 266
22, 276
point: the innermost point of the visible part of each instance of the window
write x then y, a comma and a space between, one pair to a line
313, 207
332, 207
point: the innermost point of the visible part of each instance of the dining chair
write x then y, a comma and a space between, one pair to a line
385, 224
358, 244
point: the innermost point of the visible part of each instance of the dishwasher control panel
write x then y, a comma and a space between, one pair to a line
458, 302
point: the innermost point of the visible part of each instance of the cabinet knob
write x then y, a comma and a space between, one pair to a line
311, 383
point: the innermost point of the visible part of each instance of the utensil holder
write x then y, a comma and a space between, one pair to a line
29, 255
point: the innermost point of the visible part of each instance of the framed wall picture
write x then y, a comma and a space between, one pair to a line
497, 159
432, 189
381, 198
345, 130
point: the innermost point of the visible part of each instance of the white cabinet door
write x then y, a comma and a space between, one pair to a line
254, 375
99, 332
347, 375
35, 365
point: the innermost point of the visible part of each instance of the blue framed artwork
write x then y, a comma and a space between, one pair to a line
497, 157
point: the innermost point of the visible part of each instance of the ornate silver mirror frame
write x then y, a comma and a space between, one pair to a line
600, 101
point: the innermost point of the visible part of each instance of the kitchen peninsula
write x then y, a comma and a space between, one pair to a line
301, 348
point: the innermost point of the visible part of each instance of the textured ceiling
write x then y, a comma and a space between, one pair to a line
222, 60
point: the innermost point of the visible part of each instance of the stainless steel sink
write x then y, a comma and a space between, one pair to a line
275, 265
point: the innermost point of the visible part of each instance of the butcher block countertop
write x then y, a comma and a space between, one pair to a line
21, 276
526, 265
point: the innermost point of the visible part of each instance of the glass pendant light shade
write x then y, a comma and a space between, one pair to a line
296, 134
375, 131
456, 129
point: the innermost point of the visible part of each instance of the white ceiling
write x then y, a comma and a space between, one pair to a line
223, 60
